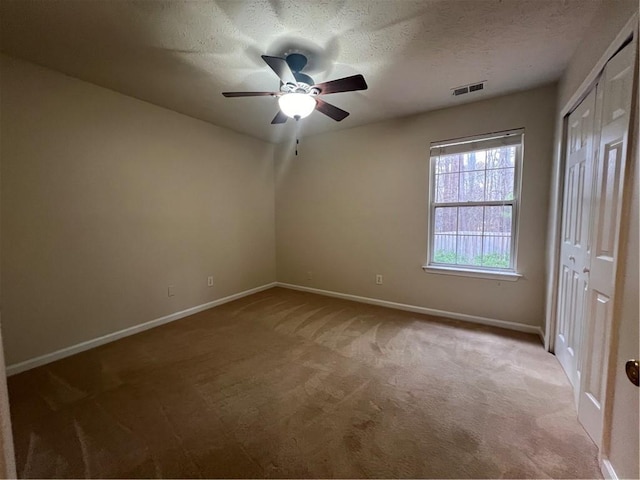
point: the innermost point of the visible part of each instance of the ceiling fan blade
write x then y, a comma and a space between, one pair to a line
331, 110
279, 118
281, 68
249, 94
346, 84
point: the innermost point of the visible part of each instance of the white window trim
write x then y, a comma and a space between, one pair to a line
509, 274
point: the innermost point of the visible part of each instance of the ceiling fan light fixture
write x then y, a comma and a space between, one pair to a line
297, 104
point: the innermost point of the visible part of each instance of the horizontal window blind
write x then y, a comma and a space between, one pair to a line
481, 142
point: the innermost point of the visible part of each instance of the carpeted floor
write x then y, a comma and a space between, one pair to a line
290, 384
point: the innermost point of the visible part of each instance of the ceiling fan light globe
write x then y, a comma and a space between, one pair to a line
297, 104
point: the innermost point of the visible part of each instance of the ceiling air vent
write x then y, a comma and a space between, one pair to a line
474, 87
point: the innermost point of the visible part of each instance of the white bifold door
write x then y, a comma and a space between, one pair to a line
596, 153
574, 250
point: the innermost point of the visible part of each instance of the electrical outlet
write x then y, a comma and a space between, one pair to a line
171, 291
309, 275
210, 281
378, 279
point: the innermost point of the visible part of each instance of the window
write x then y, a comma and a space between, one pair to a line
473, 204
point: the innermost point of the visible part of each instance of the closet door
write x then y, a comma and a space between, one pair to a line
574, 251
613, 104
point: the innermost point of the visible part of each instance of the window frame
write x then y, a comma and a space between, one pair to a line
510, 273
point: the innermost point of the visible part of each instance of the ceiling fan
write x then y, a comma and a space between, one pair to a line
299, 95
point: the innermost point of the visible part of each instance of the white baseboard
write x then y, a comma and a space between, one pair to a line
540, 333
414, 308
110, 337
607, 470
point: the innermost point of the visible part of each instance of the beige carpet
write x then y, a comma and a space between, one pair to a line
290, 384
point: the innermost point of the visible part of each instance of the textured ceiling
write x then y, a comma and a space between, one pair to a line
182, 54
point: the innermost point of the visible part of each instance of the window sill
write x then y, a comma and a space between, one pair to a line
468, 272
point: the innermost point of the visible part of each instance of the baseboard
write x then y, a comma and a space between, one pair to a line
414, 308
540, 333
607, 470
110, 337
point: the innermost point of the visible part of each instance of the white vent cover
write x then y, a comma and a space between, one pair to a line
473, 87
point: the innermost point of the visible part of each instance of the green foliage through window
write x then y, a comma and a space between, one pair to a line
491, 260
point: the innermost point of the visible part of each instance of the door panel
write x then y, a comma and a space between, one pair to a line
622, 436
613, 105
575, 233
608, 203
599, 306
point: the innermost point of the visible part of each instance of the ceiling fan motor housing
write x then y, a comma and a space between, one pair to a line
303, 78
297, 62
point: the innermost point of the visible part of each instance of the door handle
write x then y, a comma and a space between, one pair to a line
586, 270
632, 368
572, 258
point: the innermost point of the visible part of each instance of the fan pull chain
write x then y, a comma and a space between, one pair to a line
297, 133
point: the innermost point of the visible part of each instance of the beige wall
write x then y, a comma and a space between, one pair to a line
607, 23
353, 204
621, 422
107, 200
